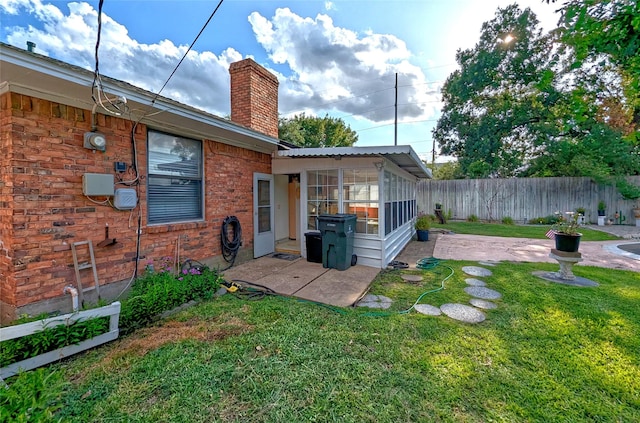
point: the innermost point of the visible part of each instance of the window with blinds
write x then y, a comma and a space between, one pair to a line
174, 182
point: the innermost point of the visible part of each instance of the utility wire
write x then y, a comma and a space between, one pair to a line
96, 72
433, 92
187, 52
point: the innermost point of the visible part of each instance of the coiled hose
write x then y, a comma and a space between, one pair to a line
230, 247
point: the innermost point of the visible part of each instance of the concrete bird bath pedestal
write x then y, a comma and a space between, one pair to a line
566, 260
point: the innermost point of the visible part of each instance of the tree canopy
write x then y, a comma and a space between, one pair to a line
311, 131
499, 107
565, 103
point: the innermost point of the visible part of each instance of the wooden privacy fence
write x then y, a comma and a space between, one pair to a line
18, 331
522, 199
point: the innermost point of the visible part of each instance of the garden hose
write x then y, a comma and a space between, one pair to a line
230, 247
428, 263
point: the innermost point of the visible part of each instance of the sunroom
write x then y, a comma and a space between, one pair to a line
377, 184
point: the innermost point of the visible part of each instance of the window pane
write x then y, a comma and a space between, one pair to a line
387, 219
322, 194
263, 193
174, 156
174, 190
264, 219
172, 200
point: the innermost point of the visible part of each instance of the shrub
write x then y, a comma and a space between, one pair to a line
547, 220
472, 218
423, 222
50, 339
31, 397
507, 220
449, 214
156, 292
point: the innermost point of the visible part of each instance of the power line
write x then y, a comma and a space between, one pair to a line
187, 52
322, 105
389, 124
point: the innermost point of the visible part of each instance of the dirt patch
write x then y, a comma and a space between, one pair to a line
148, 339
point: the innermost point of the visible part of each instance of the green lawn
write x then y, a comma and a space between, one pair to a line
548, 353
516, 231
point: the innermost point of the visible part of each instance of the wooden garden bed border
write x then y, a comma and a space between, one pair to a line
18, 331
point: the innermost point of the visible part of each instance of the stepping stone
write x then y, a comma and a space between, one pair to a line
489, 262
412, 278
476, 271
375, 301
487, 305
464, 313
482, 292
428, 309
475, 282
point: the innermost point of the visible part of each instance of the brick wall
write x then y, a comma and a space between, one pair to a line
254, 97
7, 281
44, 210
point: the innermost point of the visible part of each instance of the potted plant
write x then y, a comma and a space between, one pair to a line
602, 207
566, 232
423, 223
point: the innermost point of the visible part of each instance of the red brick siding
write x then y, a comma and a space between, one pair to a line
254, 97
7, 280
44, 210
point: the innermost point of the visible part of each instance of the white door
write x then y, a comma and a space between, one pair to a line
264, 239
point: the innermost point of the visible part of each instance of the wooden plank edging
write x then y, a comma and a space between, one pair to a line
18, 331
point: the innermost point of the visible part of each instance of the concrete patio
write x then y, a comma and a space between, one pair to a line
310, 281
302, 279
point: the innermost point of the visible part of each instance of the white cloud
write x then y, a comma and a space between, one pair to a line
202, 80
331, 68
336, 68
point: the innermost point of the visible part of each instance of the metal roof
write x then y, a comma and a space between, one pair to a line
402, 156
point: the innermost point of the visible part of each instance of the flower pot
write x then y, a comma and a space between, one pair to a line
602, 212
567, 243
423, 235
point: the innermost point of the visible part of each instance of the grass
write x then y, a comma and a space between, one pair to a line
549, 352
516, 231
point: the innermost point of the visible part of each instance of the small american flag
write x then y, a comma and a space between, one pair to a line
551, 234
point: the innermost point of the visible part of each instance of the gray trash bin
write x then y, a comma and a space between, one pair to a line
337, 232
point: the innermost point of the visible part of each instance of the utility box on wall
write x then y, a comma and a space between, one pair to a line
125, 199
97, 184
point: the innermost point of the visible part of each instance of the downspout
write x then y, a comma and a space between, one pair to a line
69, 289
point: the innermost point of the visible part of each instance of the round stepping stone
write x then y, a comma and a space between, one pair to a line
476, 271
487, 305
375, 301
412, 278
464, 313
488, 262
482, 292
475, 282
428, 309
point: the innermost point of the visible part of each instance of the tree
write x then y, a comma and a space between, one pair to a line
604, 39
447, 170
311, 131
499, 107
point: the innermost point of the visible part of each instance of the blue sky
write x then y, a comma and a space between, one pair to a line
336, 57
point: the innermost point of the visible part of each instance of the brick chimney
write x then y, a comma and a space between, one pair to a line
254, 97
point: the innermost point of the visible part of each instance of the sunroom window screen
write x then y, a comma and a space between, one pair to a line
175, 178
